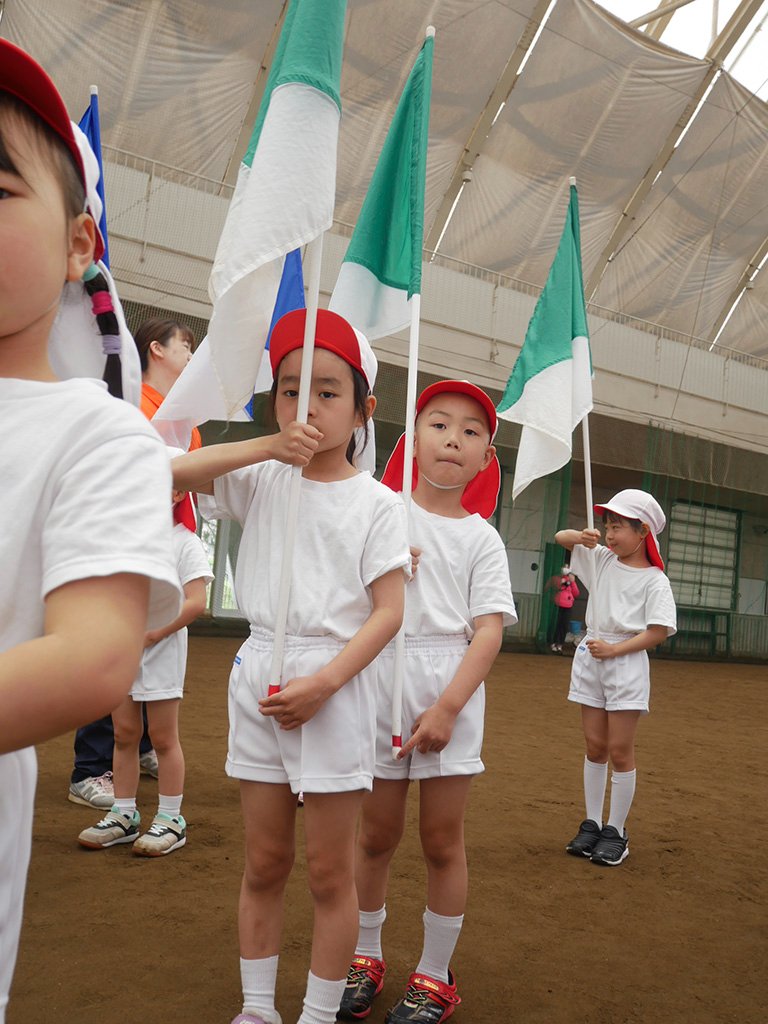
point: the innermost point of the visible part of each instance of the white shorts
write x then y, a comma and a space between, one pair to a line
618, 684
162, 669
331, 753
431, 663
18, 775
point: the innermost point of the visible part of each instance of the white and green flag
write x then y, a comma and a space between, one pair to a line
550, 388
283, 199
382, 267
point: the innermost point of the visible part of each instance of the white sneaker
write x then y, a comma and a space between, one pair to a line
93, 792
148, 764
163, 836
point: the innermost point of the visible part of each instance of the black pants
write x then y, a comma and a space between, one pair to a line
93, 748
561, 625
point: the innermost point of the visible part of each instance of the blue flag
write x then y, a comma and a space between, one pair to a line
290, 296
89, 126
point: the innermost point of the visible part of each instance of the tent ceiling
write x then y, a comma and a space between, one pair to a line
179, 83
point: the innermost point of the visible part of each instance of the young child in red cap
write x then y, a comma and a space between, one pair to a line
86, 529
317, 735
630, 610
457, 605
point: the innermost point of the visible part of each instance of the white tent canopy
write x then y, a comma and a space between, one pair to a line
670, 233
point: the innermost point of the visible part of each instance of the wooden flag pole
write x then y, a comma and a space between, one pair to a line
313, 258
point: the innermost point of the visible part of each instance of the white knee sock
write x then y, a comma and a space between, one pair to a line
440, 937
595, 779
622, 792
125, 806
259, 978
322, 1001
369, 936
169, 805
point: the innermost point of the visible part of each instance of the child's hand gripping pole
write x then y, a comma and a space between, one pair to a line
313, 257
410, 425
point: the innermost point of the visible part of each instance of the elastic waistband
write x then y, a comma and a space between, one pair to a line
265, 639
611, 638
438, 642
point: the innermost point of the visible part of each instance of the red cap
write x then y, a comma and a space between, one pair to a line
482, 492
332, 332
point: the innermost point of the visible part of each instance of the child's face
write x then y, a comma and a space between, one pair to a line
452, 440
623, 537
40, 246
331, 400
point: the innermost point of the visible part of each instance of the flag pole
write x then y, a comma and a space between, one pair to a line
410, 423
314, 257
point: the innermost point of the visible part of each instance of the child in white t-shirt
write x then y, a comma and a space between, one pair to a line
630, 610
457, 605
85, 526
159, 684
317, 733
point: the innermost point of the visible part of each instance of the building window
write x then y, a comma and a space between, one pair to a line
702, 555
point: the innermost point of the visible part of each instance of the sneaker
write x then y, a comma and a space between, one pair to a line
148, 764
611, 848
365, 979
248, 1018
93, 792
163, 836
426, 1001
586, 839
113, 828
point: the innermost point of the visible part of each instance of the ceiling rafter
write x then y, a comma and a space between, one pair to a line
738, 290
716, 54
475, 142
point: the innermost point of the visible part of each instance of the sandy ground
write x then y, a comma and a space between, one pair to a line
676, 934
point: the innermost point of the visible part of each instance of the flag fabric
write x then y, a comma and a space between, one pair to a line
550, 388
382, 266
290, 296
283, 199
90, 127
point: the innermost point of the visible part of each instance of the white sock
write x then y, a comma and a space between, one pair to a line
169, 805
622, 793
369, 936
322, 1001
440, 937
595, 780
125, 805
258, 978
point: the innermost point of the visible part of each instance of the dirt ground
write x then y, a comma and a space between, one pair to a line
676, 934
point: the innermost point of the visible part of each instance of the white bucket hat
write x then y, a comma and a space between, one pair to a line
634, 504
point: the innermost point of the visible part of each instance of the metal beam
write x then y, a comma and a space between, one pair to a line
660, 11
463, 171
243, 139
718, 51
743, 282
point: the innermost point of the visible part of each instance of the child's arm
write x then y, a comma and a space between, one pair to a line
570, 538
194, 605
302, 697
434, 727
650, 637
83, 665
197, 470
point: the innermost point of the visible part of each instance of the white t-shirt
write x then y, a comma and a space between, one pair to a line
162, 670
623, 599
350, 533
463, 573
86, 492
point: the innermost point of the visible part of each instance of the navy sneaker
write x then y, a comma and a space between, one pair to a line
584, 842
365, 979
426, 1001
611, 848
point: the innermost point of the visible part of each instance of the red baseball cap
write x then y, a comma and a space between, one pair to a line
482, 492
332, 332
24, 78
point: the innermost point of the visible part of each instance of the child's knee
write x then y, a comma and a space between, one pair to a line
128, 734
329, 878
266, 868
442, 846
376, 839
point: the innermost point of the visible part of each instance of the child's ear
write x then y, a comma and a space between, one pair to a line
82, 242
370, 405
490, 453
644, 530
